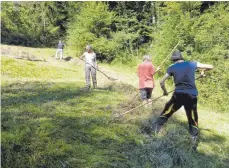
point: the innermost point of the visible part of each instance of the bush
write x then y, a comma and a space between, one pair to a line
201, 39
91, 26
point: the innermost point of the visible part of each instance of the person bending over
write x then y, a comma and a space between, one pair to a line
185, 94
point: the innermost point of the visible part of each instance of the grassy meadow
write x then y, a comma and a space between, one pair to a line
48, 121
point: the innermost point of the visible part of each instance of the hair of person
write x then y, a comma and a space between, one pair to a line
88, 47
146, 58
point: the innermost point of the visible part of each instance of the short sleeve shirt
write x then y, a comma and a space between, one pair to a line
184, 77
145, 74
60, 45
90, 58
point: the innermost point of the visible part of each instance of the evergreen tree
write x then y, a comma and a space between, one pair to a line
35, 23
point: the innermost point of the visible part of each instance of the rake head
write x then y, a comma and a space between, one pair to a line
115, 115
113, 79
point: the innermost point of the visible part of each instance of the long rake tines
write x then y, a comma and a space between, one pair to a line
113, 79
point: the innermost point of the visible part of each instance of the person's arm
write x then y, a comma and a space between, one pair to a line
94, 59
82, 56
204, 66
158, 68
155, 71
96, 64
162, 83
138, 71
152, 70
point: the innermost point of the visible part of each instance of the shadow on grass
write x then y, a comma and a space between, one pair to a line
68, 58
39, 93
173, 145
50, 125
59, 125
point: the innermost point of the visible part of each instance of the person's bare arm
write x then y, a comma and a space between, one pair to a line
204, 66
162, 83
158, 68
96, 64
82, 56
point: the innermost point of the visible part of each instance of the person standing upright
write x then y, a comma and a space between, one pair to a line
145, 72
90, 66
60, 48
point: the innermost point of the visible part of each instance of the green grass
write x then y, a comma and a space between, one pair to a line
48, 121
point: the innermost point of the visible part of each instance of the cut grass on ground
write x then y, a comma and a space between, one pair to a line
48, 121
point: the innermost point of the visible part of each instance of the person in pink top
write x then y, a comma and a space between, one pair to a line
146, 70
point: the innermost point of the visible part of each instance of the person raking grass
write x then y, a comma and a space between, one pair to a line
90, 66
145, 73
185, 94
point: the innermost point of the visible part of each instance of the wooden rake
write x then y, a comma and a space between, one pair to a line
108, 77
126, 112
158, 67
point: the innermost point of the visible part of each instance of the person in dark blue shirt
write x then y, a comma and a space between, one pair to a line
185, 94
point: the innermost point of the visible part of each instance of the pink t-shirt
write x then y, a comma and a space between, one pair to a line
145, 74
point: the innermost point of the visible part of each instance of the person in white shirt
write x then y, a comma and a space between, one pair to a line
90, 66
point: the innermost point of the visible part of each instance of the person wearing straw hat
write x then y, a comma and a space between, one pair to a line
90, 66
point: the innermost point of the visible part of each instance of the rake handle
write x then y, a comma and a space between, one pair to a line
169, 55
95, 68
143, 104
103, 73
201, 76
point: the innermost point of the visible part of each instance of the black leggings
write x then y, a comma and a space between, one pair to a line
146, 93
175, 103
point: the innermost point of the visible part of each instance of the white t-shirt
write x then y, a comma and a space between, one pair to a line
90, 58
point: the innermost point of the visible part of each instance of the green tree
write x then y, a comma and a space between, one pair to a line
136, 21
202, 39
92, 26
35, 23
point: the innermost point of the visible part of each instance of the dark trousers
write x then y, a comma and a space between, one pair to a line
175, 103
146, 93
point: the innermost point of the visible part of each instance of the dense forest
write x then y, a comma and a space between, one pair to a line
122, 31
